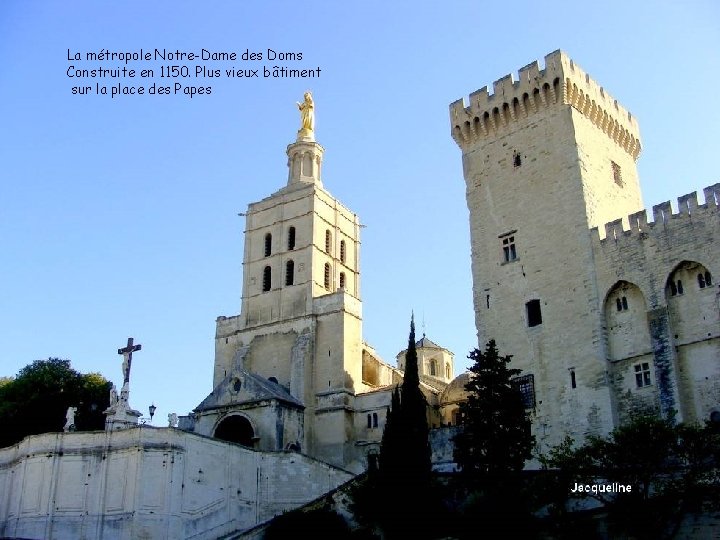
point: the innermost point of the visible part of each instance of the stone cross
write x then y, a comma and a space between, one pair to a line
127, 358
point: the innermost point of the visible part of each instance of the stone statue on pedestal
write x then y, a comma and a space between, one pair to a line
70, 419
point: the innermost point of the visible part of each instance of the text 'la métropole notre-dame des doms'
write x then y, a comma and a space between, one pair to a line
175, 72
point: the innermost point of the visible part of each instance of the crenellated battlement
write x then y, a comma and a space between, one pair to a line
561, 82
663, 217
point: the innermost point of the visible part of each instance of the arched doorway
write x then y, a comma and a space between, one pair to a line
235, 429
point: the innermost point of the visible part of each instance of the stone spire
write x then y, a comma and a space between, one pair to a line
305, 155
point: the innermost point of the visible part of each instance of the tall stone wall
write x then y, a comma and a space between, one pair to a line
666, 270
148, 483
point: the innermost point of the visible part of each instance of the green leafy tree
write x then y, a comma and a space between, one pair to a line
37, 399
495, 439
672, 470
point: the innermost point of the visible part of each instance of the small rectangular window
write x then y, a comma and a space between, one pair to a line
573, 382
617, 174
509, 251
526, 385
534, 314
642, 374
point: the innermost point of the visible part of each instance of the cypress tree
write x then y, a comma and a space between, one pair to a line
413, 410
404, 475
496, 438
405, 448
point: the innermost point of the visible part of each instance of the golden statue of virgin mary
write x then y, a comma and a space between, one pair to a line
307, 115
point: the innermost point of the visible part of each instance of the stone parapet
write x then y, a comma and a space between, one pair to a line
562, 82
664, 219
149, 483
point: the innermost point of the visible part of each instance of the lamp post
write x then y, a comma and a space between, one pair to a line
152, 408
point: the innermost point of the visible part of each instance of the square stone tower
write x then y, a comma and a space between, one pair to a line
545, 158
289, 365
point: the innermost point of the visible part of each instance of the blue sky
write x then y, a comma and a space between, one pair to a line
119, 216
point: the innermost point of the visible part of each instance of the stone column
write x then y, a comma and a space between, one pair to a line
305, 162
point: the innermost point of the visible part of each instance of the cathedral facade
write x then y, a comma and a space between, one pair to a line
292, 371
607, 313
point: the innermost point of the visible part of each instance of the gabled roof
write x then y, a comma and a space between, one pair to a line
242, 387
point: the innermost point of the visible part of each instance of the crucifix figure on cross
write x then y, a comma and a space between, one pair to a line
127, 358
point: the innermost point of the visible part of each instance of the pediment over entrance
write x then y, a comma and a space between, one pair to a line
244, 388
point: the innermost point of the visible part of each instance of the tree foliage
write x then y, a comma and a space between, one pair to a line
37, 399
672, 469
398, 498
405, 448
495, 439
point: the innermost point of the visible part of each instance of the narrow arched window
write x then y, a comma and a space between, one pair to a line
267, 279
375, 419
342, 280
701, 280
708, 279
291, 238
342, 251
327, 276
447, 371
679, 287
289, 272
268, 244
328, 241
369, 419
433, 367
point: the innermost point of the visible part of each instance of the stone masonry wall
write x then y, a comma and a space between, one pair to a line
148, 483
665, 265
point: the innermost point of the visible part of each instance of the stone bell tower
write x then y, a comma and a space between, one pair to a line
300, 324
